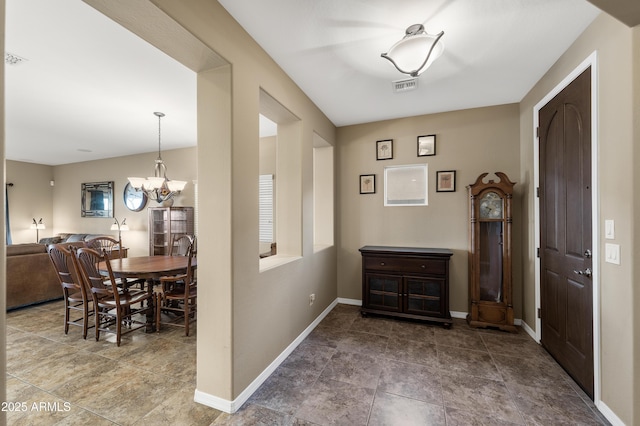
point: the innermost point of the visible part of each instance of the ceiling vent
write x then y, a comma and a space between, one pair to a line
405, 85
11, 59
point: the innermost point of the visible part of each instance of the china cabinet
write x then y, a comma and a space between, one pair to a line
166, 223
490, 222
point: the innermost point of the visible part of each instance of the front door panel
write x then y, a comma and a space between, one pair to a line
565, 217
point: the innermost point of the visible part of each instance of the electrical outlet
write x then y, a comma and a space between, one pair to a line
312, 298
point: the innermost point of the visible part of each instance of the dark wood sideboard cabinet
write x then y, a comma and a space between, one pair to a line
406, 282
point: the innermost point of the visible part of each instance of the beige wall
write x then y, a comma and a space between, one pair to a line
470, 142
616, 169
268, 155
31, 196
68, 179
269, 309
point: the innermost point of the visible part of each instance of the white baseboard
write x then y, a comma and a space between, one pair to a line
610, 415
529, 331
455, 314
354, 302
233, 406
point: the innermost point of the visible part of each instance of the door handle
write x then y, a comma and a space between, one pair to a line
586, 272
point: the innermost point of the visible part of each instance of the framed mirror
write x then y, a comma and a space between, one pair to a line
97, 199
134, 199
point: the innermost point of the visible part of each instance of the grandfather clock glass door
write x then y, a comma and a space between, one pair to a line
491, 235
490, 254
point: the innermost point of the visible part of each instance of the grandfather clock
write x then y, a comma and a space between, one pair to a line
490, 286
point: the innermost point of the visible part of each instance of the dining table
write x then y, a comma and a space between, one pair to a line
149, 268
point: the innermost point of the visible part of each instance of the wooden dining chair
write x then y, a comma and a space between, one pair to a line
113, 249
75, 293
110, 245
178, 296
181, 245
113, 305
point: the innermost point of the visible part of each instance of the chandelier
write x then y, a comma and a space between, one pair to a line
158, 187
416, 51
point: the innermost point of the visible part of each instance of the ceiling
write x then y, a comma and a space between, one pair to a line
88, 87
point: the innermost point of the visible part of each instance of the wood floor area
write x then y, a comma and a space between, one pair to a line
349, 370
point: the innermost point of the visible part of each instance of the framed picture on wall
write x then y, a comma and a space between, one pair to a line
426, 145
367, 184
405, 185
384, 149
446, 181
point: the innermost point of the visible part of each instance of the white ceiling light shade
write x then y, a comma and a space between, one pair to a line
158, 187
11, 59
416, 51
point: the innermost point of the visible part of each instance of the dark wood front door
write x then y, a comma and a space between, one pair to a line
565, 219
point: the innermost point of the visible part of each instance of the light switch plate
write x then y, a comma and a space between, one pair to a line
609, 229
612, 253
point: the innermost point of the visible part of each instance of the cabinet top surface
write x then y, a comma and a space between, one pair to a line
405, 250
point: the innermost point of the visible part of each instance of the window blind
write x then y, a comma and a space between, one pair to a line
266, 208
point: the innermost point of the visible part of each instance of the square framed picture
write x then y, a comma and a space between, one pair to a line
426, 145
384, 149
446, 181
367, 184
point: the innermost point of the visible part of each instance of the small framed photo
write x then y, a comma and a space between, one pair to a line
367, 184
384, 149
446, 181
426, 145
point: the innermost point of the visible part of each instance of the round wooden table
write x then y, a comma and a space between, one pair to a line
151, 268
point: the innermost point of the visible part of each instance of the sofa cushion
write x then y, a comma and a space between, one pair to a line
92, 236
50, 240
75, 238
29, 248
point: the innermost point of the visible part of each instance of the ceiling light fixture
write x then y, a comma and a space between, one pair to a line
416, 51
158, 187
11, 59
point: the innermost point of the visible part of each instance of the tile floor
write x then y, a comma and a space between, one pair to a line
148, 380
350, 370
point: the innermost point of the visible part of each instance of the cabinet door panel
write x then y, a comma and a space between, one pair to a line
424, 295
383, 292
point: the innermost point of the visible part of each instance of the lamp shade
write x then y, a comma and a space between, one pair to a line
176, 185
37, 225
153, 182
416, 51
136, 182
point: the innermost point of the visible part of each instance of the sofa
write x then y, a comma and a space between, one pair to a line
31, 278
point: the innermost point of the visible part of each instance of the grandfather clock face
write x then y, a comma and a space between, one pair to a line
491, 206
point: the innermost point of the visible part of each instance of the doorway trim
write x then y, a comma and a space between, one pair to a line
590, 61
